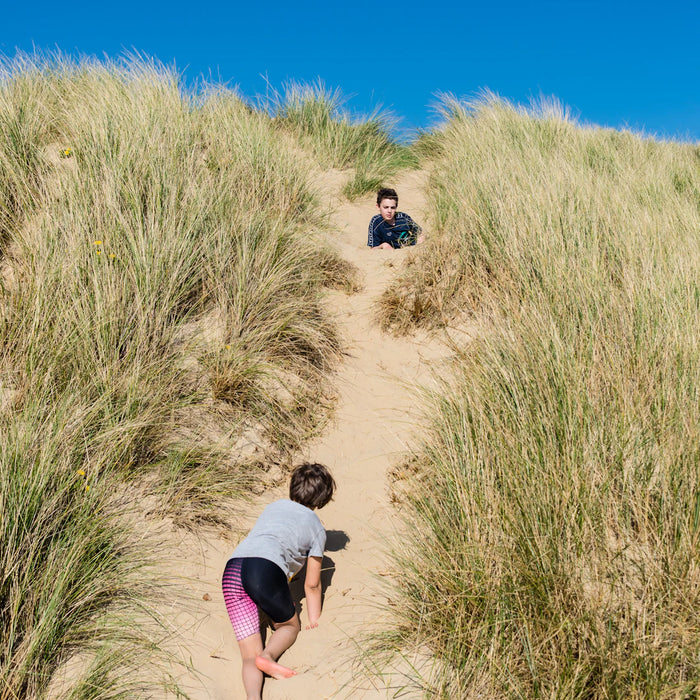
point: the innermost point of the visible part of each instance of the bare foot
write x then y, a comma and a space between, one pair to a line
272, 668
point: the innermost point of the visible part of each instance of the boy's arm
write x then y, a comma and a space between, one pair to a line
374, 240
312, 589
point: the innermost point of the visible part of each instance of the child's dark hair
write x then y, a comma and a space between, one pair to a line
387, 193
312, 485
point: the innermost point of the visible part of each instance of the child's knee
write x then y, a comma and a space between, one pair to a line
293, 624
296, 623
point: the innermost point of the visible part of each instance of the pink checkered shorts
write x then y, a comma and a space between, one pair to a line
242, 611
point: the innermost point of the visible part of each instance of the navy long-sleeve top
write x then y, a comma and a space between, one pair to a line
405, 231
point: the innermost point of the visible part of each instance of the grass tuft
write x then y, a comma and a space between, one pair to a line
318, 117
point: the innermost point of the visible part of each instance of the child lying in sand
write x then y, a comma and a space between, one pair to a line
285, 536
390, 228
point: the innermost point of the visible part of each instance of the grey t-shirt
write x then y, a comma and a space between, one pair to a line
286, 533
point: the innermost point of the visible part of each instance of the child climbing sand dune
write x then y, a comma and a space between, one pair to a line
286, 535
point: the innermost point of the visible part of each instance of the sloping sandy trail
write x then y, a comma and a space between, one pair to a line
375, 422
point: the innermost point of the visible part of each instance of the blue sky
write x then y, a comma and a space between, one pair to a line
618, 64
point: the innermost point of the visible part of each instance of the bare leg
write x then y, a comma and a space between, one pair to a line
281, 639
251, 647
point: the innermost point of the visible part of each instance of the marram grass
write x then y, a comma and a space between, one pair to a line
160, 301
316, 116
71, 579
528, 203
551, 547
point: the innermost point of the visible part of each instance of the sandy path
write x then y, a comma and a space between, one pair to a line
373, 425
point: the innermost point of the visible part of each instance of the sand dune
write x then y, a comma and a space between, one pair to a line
374, 423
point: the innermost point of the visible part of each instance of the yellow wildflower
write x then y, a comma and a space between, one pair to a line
98, 242
81, 472
99, 252
111, 255
87, 487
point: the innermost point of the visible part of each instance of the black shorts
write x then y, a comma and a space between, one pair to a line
265, 582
